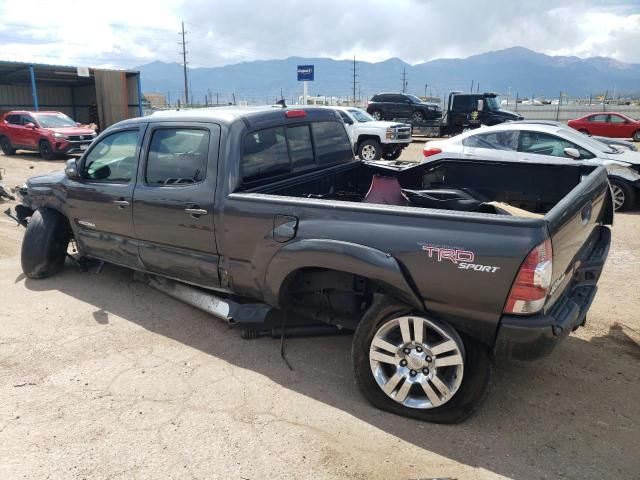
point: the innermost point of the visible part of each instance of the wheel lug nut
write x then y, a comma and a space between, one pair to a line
403, 363
413, 373
425, 371
419, 349
407, 351
428, 359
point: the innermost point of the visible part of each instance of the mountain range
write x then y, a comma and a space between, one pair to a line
514, 71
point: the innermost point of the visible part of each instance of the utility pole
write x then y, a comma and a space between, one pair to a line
354, 79
404, 80
184, 65
168, 99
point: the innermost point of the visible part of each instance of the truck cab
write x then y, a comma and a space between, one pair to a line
477, 109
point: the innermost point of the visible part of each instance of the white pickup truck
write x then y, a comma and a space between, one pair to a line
374, 139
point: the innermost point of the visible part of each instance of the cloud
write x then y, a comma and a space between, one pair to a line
125, 33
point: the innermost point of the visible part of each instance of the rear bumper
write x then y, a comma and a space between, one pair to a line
535, 336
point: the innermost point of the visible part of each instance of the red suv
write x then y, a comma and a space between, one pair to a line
50, 133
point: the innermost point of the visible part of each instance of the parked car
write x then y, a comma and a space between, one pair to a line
374, 139
267, 208
544, 142
49, 133
611, 124
387, 106
616, 143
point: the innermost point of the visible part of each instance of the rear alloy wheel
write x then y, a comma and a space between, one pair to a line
417, 116
370, 150
45, 150
377, 114
636, 136
5, 145
414, 366
623, 195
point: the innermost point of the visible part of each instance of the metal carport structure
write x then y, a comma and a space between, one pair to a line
86, 94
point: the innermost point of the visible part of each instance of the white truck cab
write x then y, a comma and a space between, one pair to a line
374, 139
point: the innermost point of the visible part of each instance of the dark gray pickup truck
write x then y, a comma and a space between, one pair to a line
439, 268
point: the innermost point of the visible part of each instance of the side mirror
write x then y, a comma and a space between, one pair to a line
572, 153
71, 169
30, 125
348, 121
78, 124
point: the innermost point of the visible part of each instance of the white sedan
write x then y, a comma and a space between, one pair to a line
543, 142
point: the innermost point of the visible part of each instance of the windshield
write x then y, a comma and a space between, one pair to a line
492, 104
414, 99
361, 116
55, 121
582, 140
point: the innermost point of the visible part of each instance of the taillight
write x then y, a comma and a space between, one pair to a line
531, 286
428, 151
295, 113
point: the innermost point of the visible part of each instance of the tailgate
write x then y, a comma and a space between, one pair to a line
574, 226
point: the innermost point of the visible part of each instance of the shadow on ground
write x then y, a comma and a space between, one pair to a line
571, 415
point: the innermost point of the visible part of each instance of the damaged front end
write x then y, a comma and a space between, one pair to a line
22, 211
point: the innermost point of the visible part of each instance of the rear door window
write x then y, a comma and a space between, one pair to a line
506, 140
331, 142
265, 154
177, 156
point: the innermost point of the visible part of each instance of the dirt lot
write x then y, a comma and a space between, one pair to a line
103, 377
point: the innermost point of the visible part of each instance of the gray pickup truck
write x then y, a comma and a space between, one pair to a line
438, 268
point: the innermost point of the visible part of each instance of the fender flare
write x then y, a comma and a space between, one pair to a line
367, 262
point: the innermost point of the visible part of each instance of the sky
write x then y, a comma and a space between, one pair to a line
124, 34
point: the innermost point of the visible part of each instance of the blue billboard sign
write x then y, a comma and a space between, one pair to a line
305, 73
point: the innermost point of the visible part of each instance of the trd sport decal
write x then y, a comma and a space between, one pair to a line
464, 259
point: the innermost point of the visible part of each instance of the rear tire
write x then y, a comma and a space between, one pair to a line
466, 394
624, 195
585, 131
636, 136
417, 116
44, 247
44, 148
370, 150
7, 148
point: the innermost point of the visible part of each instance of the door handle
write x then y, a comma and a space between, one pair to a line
121, 203
196, 212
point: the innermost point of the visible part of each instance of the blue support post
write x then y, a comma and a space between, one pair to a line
34, 91
139, 96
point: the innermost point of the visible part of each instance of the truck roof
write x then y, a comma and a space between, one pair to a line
232, 114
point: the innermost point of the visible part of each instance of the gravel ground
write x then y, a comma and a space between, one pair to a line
103, 377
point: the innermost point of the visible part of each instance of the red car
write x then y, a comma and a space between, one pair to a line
607, 124
50, 133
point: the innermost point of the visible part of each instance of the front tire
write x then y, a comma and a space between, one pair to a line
45, 150
417, 367
370, 150
44, 247
636, 136
624, 196
7, 148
